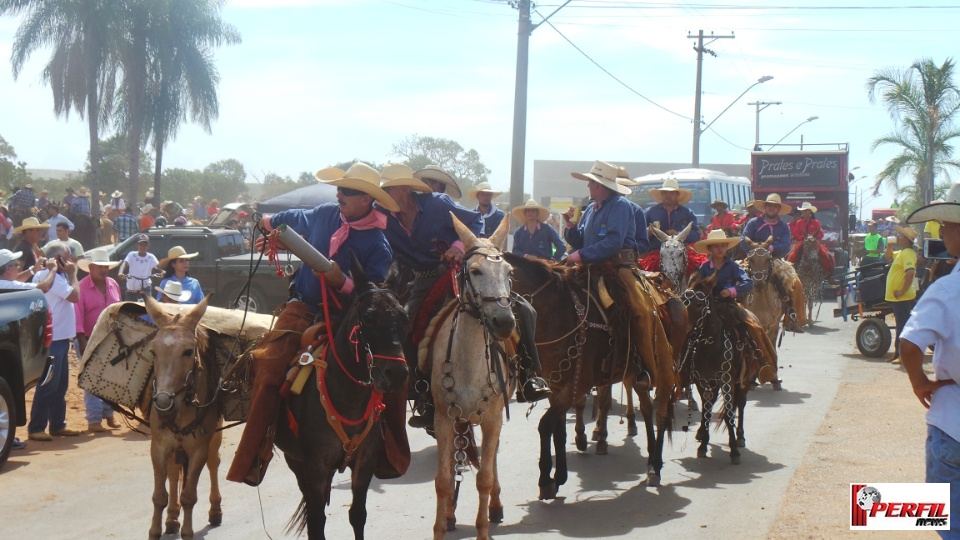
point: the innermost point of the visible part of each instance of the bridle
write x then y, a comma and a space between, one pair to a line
356, 338
762, 252
675, 264
469, 296
163, 401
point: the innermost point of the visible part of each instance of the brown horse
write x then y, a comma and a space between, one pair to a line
765, 300
811, 273
184, 417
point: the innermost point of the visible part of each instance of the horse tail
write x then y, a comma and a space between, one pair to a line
298, 521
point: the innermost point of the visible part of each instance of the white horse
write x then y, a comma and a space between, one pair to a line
469, 377
673, 256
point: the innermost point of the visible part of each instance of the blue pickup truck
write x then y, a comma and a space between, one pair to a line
25, 335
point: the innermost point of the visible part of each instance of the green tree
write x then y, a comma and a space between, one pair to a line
12, 172
224, 180
923, 101
464, 165
274, 184
344, 165
114, 167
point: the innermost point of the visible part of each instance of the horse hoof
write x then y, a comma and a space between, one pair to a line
777, 384
653, 479
216, 518
581, 441
451, 524
595, 436
701, 452
632, 430
172, 528
496, 515
601, 448
742, 442
548, 492
735, 460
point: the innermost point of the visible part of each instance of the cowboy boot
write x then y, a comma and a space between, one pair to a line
532, 387
423, 408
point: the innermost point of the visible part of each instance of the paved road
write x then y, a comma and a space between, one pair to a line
99, 487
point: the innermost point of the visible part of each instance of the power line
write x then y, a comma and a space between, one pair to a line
727, 141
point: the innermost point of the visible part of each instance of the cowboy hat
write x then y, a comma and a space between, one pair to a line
623, 178
948, 210
28, 186
906, 231
604, 174
116, 194
397, 175
671, 184
807, 206
99, 257
772, 198
718, 203
483, 187
715, 237
83, 192
31, 223
173, 290
7, 256
519, 213
44, 192
176, 252
360, 177
149, 191
432, 172
871, 222
146, 208
892, 219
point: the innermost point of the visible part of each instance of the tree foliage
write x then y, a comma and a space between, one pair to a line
222, 180
464, 165
923, 101
12, 172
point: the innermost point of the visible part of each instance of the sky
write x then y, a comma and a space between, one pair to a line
316, 82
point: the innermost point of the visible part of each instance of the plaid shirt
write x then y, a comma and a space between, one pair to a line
126, 226
80, 205
23, 198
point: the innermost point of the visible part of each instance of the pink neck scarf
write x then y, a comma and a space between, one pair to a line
373, 220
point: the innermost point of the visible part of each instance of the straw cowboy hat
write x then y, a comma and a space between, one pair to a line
520, 213
807, 206
483, 187
173, 290
717, 204
30, 223
146, 208
398, 175
948, 210
83, 192
671, 184
7, 256
360, 177
149, 192
772, 198
906, 231
623, 178
116, 194
892, 219
28, 186
176, 252
604, 174
432, 172
99, 257
716, 237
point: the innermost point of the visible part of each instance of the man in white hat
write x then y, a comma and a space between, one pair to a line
11, 277
670, 215
534, 239
935, 323
335, 230
96, 291
439, 181
484, 195
116, 201
809, 225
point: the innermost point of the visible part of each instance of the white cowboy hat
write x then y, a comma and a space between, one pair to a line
671, 184
99, 257
892, 219
360, 177
149, 191
31, 223
432, 172
604, 174
116, 194
173, 290
483, 187
772, 198
176, 252
623, 178
520, 213
807, 206
716, 204
716, 236
83, 192
397, 175
906, 231
947, 210
28, 186
146, 208
7, 256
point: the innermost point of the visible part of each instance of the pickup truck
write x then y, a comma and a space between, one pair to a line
26, 331
221, 267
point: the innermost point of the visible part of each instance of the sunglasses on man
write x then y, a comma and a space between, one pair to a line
347, 192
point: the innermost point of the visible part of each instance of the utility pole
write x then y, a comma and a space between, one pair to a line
696, 102
756, 139
520, 106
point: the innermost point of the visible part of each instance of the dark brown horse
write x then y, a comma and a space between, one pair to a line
365, 362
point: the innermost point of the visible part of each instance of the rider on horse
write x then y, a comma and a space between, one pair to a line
808, 225
723, 220
534, 239
492, 216
336, 231
670, 216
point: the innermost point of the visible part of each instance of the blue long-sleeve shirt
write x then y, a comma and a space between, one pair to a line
758, 230
679, 218
539, 243
731, 276
641, 242
317, 226
432, 233
603, 232
491, 221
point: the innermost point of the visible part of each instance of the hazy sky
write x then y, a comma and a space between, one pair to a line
320, 81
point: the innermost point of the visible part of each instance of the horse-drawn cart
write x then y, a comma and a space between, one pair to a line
862, 299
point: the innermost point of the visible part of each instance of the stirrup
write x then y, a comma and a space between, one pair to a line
423, 420
534, 389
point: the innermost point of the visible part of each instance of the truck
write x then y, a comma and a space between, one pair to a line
26, 331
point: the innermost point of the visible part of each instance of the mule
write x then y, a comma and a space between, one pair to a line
811, 273
184, 418
335, 423
765, 300
673, 256
464, 355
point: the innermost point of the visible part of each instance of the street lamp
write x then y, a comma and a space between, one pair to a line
696, 121
811, 119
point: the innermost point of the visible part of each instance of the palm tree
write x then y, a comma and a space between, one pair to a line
923, 101
82, 69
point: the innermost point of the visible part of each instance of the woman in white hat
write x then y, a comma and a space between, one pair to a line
535, 239
670, 215
484, 195
116, 201
808, 225
900, 290
175, 267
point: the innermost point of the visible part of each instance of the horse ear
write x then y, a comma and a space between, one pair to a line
360, 280
192, 318
156, 313
466, 235
686, 230
499, 236
659, 234
751, 243
769, 241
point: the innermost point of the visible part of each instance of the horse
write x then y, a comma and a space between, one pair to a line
714, 361
335, 422
811, 273
574, 343
184, 417
464, 355
673, 256
765, 300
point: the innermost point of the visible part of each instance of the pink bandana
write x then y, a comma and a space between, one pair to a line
373, 220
